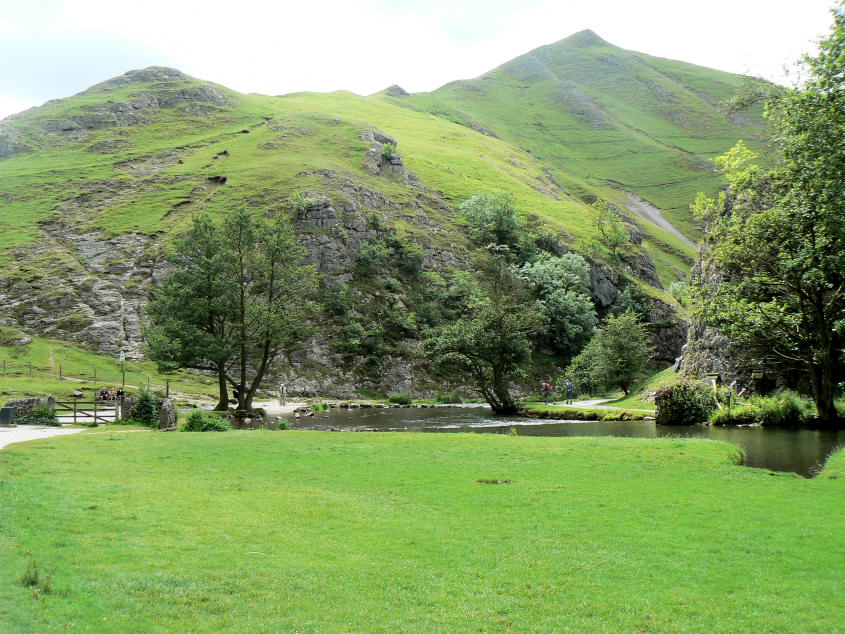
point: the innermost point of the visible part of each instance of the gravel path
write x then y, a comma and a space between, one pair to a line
22, 433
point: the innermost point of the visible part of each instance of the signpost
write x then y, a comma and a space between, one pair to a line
122, 371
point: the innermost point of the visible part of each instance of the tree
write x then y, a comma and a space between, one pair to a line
187, 321
489, 346
238, 298
778, 235
562, 288
614, 357
492, 219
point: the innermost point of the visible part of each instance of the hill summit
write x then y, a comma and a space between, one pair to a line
94, 187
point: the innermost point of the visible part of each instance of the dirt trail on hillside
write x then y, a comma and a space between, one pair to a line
647, 211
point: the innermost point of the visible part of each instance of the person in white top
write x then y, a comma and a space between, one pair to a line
283, 393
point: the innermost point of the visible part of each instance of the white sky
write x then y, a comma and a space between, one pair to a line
54, 48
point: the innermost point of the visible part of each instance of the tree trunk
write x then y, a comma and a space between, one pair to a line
223, 403
500, 388
822, 378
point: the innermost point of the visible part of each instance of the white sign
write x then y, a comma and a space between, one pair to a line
122, 355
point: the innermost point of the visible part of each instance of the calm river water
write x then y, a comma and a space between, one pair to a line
799, 451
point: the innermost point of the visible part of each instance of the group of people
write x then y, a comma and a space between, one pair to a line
546, 388
107, 394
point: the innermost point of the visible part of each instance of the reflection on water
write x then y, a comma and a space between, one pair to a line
800, 451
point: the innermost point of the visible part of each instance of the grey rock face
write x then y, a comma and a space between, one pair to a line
604, 285
318, 213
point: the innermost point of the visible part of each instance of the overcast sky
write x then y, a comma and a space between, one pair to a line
55, 48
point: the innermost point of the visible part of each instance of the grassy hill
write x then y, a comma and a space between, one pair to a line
94, 187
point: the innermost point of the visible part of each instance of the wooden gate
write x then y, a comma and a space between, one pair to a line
87, 411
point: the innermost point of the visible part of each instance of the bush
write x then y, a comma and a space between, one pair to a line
374, 257
199, 420
449, 397
283, 424
388, 150
684, 402
399, 398
144, 411
41, 414
782, 409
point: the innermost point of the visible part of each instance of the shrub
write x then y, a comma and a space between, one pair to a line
388, 150
284, 424
782, 409
374, 256
684, 402
449, 397
399, 398
144, 411
41, 414
199, 420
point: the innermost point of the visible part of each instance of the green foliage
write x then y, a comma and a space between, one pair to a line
144, 410
448, 397
374, 258
782, 409
399, 398
492, 219
198, 420
611, 234
561, 286
613, 358
684, 402
778, 237
388, 150
335, 298
300, 202
238, 298
488, 347
284, 424
40, 414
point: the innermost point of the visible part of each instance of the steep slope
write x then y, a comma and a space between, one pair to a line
94, 187
604, 119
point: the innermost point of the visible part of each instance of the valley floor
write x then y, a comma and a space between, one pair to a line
308, 531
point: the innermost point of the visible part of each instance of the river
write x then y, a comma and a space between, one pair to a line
799, 451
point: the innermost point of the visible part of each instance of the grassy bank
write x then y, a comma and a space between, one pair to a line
539, 410
308, 531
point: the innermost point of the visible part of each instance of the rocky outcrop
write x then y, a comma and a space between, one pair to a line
317, 212
166, 414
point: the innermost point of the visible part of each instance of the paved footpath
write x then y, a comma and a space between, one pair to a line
22, 433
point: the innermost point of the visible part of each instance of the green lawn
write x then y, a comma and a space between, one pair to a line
309, 531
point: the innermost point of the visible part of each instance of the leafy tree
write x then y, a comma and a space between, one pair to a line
614, 357
188, 325
611, 233
492, 219
489, 346
778, 235
562, 287
238, 297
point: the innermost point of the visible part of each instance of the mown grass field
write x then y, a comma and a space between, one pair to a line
309, 531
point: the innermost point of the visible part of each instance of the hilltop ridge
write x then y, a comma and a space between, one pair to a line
94, 187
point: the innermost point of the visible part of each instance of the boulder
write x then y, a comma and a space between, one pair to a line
166, 414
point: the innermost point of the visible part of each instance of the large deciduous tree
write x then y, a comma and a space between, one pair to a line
614, 357
238, 297
778, 235
489, 346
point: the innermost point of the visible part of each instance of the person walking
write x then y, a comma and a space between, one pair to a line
283, 393
570, 391
547, 389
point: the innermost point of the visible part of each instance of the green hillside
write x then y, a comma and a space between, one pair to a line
94, 187
603, 119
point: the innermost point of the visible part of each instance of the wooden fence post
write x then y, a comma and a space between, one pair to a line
74, 410
168, 388
95, 374
60, 372
95, 410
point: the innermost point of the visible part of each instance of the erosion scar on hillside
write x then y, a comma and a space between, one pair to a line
647, 211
